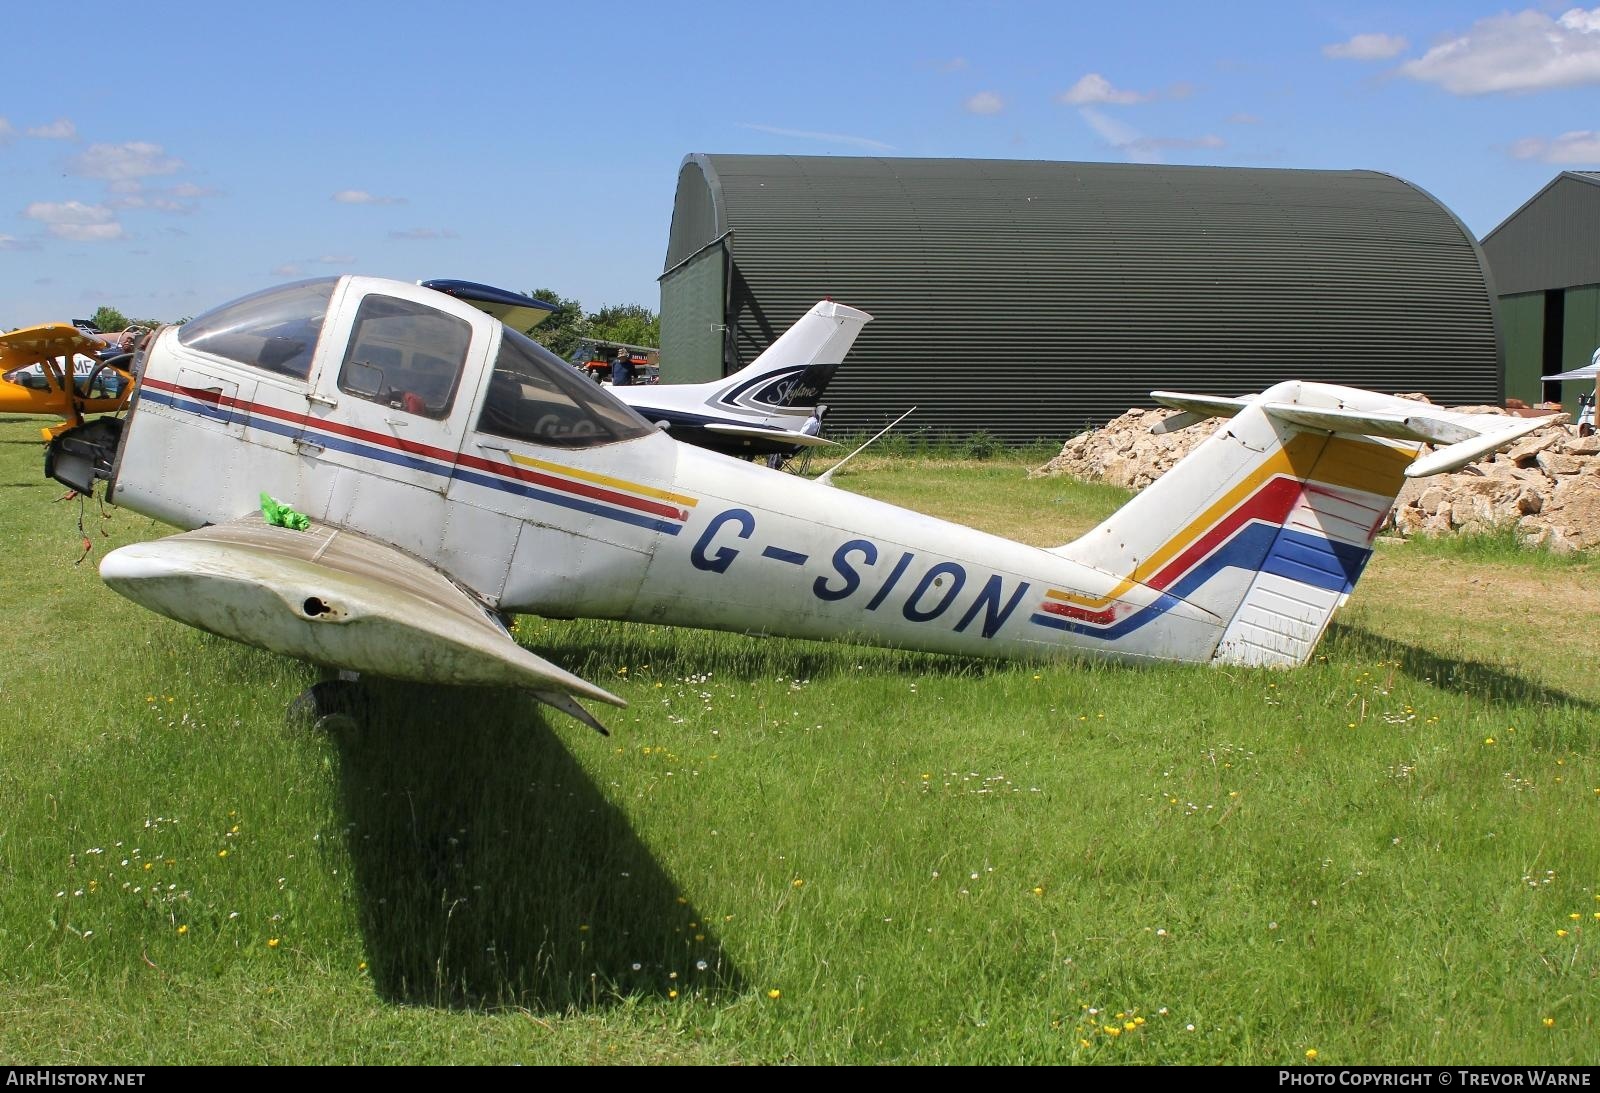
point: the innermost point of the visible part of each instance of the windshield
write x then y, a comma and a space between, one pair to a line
275, 329
536, 396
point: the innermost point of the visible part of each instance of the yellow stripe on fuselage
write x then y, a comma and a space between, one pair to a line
1338, 461
604, 480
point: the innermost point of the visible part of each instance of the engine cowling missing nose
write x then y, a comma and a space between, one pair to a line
83, 456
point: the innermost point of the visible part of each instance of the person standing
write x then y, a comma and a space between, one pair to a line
622, 369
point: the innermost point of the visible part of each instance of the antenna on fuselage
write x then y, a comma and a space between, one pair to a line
826, 477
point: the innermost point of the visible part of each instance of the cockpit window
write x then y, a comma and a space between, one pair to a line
275, 330
536, 396
405, 355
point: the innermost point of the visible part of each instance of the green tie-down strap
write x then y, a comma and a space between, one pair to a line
282, 515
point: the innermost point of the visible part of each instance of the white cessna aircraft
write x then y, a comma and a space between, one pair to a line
453, 471
764, 408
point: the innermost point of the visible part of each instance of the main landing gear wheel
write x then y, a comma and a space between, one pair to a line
332, 706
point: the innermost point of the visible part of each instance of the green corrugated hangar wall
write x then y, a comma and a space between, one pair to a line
1545, 258
1031, 299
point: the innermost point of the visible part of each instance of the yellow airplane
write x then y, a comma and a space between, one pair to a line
38, 376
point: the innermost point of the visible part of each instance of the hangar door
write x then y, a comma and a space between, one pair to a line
693, 327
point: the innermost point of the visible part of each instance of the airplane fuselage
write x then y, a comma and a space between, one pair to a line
644, 528
407, 420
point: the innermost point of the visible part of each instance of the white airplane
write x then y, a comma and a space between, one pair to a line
453, 472
765, 407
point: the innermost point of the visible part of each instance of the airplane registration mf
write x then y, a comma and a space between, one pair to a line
455, 472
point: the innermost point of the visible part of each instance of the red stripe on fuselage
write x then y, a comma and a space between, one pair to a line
1272, 503
1099, 618
412, 447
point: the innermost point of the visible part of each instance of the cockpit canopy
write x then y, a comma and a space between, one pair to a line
414, 358
275, 329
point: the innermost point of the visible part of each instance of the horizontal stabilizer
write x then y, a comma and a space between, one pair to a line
1196, 408
1461, 438
799, 440
338, 599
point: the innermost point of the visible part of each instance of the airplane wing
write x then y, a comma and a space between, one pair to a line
799, 440
521, 313
338, 599
32, 344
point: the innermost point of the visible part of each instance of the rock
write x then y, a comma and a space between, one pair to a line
1557, 463
1547, 485
1525, 449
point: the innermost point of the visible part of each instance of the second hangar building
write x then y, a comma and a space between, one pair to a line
1031, 298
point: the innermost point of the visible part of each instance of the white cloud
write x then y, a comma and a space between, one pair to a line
7, 130
131, 193
337, 260
362, 197
11, 242
1137, 147
1154, 145
1579, 147
122, 163
954, 64
76, 221
1113, 132
827, 138
423, 233
288, 269
60, 129
1524, 51
1367, 47
985, 102
1095, 88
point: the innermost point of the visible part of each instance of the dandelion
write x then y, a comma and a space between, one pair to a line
361, 967
1561, 933
1311, 1054
699, 965
1549, 1022
223, 853
1038, 891
672, 994
774, 994
1574, 916
1488, 741
183, 928
798, 883
272, 943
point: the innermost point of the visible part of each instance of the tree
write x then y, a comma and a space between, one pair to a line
109, 319
633, 324
562, 331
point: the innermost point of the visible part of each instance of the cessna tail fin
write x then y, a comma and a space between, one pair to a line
1268, 524
793, 371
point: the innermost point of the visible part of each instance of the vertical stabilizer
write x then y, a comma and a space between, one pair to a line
1270, 522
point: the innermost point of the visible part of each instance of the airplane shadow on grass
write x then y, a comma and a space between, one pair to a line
1469, 677
491, 871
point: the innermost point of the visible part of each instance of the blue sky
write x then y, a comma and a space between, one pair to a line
164, 158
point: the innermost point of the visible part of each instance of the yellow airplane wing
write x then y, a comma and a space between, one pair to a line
47, 341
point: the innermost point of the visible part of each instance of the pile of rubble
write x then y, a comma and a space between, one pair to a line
1547, 485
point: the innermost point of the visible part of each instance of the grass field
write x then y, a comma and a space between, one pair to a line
790, 851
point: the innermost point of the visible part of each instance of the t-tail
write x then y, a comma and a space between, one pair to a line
793, 372
1269, 523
